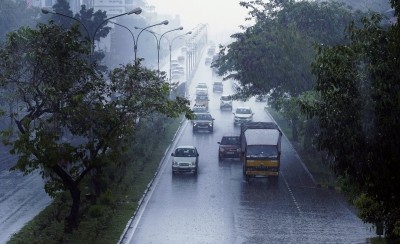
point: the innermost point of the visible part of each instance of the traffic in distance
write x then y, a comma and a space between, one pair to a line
258, 146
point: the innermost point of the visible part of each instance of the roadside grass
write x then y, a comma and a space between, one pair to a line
314, 162
313, 159
105, 221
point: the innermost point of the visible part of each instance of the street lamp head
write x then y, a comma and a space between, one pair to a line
189, 33
135, 11
165, 22
180, 28
46, 11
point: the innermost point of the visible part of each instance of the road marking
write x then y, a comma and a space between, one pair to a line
291, 193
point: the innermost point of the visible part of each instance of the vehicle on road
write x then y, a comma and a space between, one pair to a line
185, 159
225, 102
218, 86
229, 147
243, 115
208, 61
261, 149
199, 108
201, 89
202, 99
203, 121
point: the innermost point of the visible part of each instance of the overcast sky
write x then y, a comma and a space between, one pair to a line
223, 16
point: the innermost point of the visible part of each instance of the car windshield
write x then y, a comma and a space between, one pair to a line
230, 140
262, 151
217, 83
225, 98
202, 96
199, 109
201, 85
203, 117
243, 111
185, 152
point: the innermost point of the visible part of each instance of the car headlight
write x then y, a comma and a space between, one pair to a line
193, 163
174, 163
209, 124
238, 150
222, 150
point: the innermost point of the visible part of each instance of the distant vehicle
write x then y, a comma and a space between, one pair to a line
207, 61
201, 88
199, 108
181, 59
211, 51
261, 149
218, 86
225, 102
229, 147
202, 85
185, 159
243, 115
203, 121
180, 70
202, 98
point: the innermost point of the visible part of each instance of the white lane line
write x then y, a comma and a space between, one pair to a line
291, 193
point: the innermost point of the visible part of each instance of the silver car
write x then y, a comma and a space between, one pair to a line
185, 159
243, 115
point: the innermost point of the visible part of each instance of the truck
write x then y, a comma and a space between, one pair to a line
260, 149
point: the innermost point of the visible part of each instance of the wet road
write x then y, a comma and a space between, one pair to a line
21, 197
219, 206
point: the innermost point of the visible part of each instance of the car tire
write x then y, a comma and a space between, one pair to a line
194, 130
219, 158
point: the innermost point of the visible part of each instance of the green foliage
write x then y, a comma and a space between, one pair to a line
14, 14
96, 211
274, 56
68, 123
358, 111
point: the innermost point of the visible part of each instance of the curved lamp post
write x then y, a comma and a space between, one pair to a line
48, 11
92, 38
165, 22
159, 44
133, 37
170, 51
134, 11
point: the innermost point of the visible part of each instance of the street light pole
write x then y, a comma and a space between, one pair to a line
134, 11
170, 51
92, 38
165, 22
133, 37
48, 11
159, 44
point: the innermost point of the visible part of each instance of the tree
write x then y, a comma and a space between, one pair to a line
274, 55
358, 111
14, 14
71, 119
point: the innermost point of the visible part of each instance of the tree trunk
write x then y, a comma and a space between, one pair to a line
72, 219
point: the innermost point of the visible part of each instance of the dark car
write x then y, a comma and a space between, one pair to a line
203, 121
218, 86
229, 147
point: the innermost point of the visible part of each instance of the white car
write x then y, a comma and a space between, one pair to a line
243, 115
225, 102
185, 159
